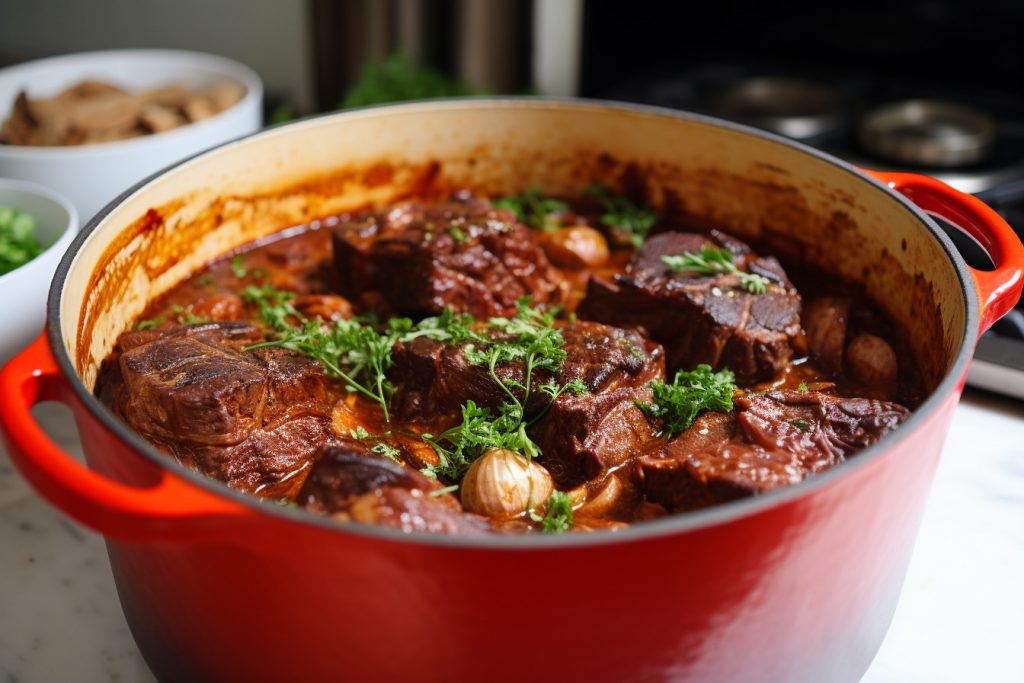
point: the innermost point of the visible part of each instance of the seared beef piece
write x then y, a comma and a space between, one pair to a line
583, 435
110, 383
349, 482
821, 429
181, 387
271, 463
421, 258
580, 435
666, 478
775, 439
702, 318
349, 469
735, 469
296, 386
433, 378
251, 419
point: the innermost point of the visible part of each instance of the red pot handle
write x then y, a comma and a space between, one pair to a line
998, 289
169, 509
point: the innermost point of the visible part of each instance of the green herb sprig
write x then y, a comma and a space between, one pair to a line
558, 517
623, 216
531, 338
274, 305
184, 315
678, 404
352, 350
151, 323
537, 210
715, 261
381, 447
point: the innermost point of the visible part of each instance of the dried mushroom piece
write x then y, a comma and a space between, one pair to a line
96, 111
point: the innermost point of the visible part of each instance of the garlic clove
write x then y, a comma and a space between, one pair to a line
503, 483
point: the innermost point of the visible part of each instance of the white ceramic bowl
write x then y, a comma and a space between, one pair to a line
92, 175
23, 290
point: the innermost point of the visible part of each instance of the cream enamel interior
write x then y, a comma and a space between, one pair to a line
802, 206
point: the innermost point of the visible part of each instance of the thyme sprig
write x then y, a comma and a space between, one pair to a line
715, 261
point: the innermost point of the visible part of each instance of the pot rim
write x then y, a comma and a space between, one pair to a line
670, 525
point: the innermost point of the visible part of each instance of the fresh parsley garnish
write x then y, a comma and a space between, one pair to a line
535, 209
457, 234
150, 324
678, 404
802, 425
479, 431
558, 517
388, 451
381, 447
529, 338
274, 305
185, 316
802, 388
629, 223
238, 267
18, 244
360, 433
715, 261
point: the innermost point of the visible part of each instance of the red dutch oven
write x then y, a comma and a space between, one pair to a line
795, 585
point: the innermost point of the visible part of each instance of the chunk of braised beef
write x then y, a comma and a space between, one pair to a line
420, 258
666, 479
774, 439
701, 318
583, 435
347, 481
736, 469
271, 463
181, 387
349, 469
251, 419
822, 429
433, 379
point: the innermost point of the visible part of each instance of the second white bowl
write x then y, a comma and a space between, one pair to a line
23, 290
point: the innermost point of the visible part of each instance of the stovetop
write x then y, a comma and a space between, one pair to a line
972, 139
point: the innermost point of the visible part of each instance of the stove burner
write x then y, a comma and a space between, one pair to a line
793, 107
928, 133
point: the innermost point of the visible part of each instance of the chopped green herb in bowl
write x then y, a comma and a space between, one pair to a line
18, 243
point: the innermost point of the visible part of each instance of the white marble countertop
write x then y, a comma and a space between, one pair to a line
960, 617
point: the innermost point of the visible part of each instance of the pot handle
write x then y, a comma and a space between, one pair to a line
168, 509
998, 289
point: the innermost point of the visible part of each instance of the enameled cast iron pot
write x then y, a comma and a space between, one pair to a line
796, 585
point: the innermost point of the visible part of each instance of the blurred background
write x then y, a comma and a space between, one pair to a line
933, 86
